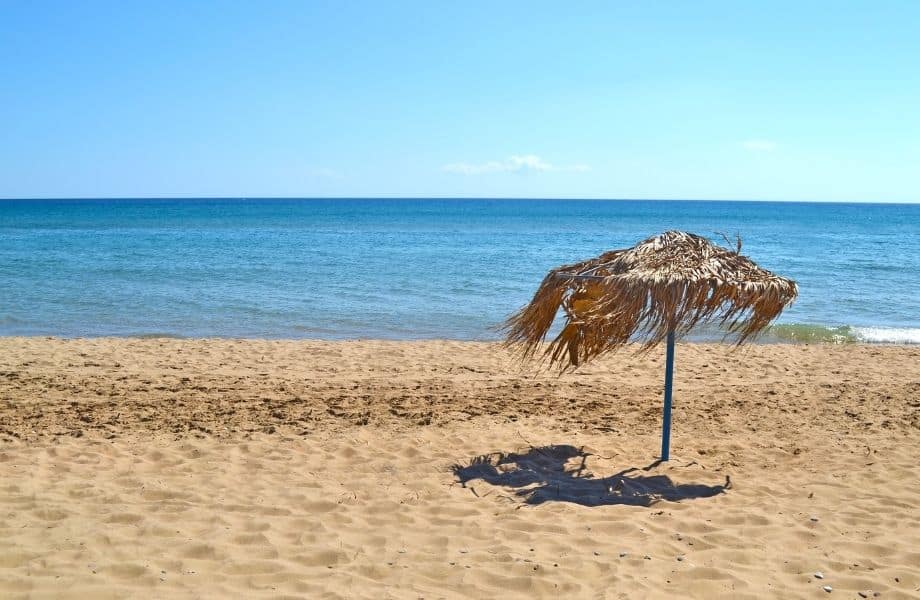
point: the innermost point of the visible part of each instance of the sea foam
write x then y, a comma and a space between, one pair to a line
843, 334
887, 335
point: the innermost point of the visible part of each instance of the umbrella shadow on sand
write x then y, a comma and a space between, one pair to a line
559, 474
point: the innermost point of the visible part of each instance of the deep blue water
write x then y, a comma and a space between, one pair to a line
413, 268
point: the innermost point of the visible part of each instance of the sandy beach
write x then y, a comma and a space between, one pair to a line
162, 468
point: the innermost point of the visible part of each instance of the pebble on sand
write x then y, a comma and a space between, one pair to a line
819, 575
828, 589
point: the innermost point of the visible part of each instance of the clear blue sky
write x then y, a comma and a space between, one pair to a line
724, 100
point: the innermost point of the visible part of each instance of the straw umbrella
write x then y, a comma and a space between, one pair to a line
655, 291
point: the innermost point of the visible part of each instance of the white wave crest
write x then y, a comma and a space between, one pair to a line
887, 335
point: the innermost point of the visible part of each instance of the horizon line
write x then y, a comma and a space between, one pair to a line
457, 198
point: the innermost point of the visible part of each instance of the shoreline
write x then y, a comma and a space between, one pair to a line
691, 340
780, 333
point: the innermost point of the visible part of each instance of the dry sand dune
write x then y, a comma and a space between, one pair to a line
220, 468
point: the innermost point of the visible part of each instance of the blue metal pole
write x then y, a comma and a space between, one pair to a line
668, 377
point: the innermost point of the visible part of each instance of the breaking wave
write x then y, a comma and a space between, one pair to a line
804, 333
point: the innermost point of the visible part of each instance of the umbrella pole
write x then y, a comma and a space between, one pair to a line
668, 377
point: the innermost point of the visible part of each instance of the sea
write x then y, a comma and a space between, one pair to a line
417, 268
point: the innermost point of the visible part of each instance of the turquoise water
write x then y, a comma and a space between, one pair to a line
408, 269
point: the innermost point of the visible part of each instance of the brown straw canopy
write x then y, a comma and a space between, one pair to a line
667, 283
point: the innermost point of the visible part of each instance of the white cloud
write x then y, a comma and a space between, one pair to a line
518, 163
759, 145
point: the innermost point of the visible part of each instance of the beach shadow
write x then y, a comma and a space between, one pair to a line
559, 474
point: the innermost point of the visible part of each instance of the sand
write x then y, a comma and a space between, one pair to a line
220, 468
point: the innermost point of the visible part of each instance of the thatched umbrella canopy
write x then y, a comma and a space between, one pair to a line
657, 290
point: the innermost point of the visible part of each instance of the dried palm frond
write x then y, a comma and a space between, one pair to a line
670, 282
